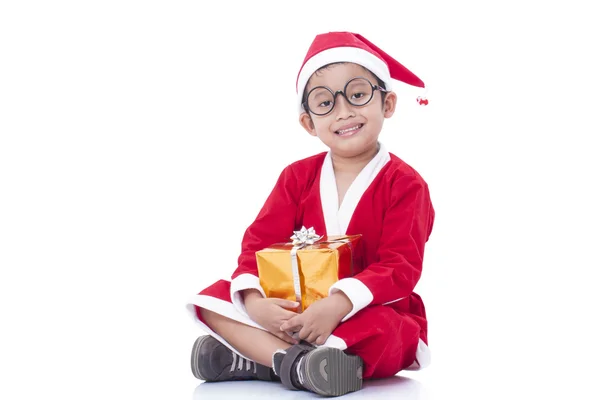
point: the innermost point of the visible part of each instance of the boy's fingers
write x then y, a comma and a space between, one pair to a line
292, 323
288, 326
311, 337
304, 333
285, 327
287, 338
289, 314
286, 303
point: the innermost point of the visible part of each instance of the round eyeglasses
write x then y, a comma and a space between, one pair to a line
357, 91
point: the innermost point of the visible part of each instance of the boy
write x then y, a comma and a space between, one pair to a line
371, 325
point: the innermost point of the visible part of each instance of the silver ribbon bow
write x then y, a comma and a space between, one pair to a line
305, 237
302, 238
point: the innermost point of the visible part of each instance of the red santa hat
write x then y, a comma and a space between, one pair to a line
335, 47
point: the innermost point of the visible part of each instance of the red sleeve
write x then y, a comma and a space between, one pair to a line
275, 223
407, 225
406, 228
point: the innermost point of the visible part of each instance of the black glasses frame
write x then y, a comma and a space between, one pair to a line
343, 93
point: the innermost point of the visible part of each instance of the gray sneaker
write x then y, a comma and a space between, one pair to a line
212, 361
323, 370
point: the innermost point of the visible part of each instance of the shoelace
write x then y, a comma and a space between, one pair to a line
238, 363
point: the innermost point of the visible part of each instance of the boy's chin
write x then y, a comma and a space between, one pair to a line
349, 150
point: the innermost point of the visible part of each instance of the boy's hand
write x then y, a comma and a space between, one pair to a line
270, 313
317, 322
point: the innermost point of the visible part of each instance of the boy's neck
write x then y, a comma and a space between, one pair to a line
355, 164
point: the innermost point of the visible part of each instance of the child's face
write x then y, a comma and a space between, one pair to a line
348, 130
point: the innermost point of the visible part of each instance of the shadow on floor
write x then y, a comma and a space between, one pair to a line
396, 387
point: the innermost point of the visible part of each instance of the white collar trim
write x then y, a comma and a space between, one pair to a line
337, 220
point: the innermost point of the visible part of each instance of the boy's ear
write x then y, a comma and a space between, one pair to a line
389, 104
307, 123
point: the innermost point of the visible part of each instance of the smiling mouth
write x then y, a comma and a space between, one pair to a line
349, 131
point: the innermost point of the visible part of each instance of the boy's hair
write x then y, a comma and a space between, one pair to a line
305, 93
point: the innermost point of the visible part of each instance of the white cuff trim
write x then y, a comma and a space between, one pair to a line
358, 293
243, 282
335, 342
422, 358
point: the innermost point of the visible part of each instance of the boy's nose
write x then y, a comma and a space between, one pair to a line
343, 109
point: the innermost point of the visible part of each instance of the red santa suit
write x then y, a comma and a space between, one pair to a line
389, 205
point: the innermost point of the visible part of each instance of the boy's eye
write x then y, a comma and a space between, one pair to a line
326, 103
357, 95
358, 91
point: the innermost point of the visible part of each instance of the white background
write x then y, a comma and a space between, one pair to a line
138, 139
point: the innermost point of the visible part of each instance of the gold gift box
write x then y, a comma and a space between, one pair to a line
320, 265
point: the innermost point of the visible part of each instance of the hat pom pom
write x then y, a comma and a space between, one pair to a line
422, 99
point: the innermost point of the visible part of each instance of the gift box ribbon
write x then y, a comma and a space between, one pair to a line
304, 238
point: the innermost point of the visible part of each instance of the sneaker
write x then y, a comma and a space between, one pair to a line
323, 370
212, 361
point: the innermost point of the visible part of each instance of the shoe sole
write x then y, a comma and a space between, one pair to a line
331, 372
195, 362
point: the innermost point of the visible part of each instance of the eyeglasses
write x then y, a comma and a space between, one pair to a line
357, 91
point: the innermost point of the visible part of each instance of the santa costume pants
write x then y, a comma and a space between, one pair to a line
386, 340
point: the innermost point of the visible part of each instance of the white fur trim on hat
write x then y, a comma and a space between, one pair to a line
343, 54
